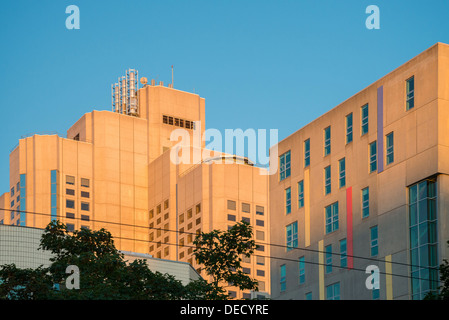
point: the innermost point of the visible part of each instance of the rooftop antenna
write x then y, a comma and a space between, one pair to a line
172, 83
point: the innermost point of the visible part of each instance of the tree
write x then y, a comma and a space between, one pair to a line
104, 274
221, 254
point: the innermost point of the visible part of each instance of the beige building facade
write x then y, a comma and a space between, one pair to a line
114, 170
366, 184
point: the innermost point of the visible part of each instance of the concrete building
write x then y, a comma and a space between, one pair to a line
367, 184
113, 170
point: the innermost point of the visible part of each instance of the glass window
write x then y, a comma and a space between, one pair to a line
306, 153
288, 200
390, 148
70, 227
365, 202
302, 270
12, 191
22, 214
246, 207
283, 278
364, 120
410, 93
374, 241
260, 210
343, 254
331, 212
85, 182
327, 180
292, 235
342, 173
328, 250
309, 296
85, 194
231, 217
327, 141
284, 161
70, 192
70, 180
231, 205
53, 197
333, 291
349, 128
373, 156
301, 194
70, 204
85, 206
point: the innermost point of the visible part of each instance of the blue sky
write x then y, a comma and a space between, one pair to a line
266, 64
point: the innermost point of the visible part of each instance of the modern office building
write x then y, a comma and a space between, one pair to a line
114, 170
366, 187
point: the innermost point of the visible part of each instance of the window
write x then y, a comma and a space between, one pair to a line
331, 217
84, 194
53, 196
260, 210
166, 204
70, 227
306, 153
246, 207
301, 194
373, 156
364, 120
423, 227
12, 203
376, 294
70, 180
85, 206
292, 235
70, 215
231, 217
283, 278
260, 223
365, 202
70, 192
349, 128
23, 180
302, 270
343, 254
327, 180
328, 250
410, 93
309, 296
12, 191
284, 171
85, 217
333, 291
390, 148
260, 260
327, 141
231, 205
374, 241
342, 174
85, 182
70, 204
246, 219
198, 208
288, 200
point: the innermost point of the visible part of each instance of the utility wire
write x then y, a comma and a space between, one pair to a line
257, 242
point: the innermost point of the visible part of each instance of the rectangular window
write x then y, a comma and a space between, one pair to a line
12, 191
301, 194
231, 205
260, 210
373, 156
70, 204
374, 241
390, 148
364, 120
291, 232
283, 278
260, 223
343, 254
70, 215
302, 270
410, 93
84, 194
246, 207
328, 250
231, 217
327, 180
423, 226
22, 214
288, 200
333, 291
309, 296
349, 128
53, 196
70, 180
70, 192
365, 202
342, 173
85, 217
284, 161
306, 153
84, 182
70, 227
327, 141
85, 206
331, 217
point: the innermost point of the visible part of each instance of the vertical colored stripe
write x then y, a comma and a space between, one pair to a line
380, 129
349, 227
307, 207
321, 268
388, 278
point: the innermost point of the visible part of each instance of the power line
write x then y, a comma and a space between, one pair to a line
259, 243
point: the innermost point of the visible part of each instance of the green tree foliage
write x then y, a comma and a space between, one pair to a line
220, 253
443, 293
104, 274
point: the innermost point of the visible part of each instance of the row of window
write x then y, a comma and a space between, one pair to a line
70, 180
178, 122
